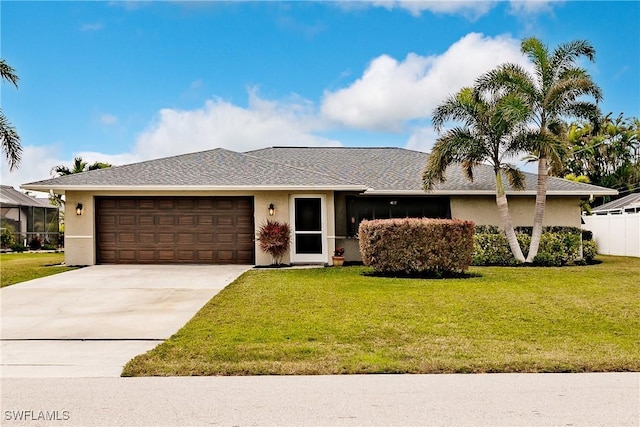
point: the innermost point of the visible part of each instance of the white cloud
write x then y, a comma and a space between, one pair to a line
531, 7
470, 9
95, 26
108, 119
35, 165
222, 124
422, 139
391, 92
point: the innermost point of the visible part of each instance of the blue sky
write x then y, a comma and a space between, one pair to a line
128, 81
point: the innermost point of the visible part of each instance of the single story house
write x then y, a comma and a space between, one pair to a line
627, 204
26, 217
207, 207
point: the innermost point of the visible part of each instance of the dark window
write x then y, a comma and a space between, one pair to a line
308, 243
308, 214
362, 207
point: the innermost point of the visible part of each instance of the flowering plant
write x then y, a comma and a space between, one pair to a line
338, 252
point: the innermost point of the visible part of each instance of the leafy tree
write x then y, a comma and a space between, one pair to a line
9, 138
493, 129
554, 90
607, 154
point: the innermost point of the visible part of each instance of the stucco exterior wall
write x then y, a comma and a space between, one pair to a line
80, 239
79, 230
560, 211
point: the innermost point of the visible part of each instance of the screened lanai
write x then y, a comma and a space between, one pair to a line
27, 217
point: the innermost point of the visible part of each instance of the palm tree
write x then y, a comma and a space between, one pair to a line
78, 166
554, 90
9, 138
492, 130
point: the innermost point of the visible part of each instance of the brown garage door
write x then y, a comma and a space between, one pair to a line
157, 230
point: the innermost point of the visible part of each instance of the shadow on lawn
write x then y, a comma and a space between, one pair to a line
422, 275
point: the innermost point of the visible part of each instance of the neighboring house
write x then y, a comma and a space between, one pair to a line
27, 217
616, 226
207, 207
627, 204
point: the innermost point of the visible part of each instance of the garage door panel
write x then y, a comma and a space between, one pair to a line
175, 230
186, 220
166, 220
146, 220
127, 204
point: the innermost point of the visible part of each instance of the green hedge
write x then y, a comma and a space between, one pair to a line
413, 246
558, 246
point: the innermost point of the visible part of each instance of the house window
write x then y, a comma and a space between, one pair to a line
370, 207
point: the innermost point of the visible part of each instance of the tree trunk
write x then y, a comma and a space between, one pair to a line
503, 208
541, 201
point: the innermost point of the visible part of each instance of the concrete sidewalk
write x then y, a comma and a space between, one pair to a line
91, 321
606, 399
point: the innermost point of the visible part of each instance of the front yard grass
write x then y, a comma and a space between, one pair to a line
337, 321
20, 267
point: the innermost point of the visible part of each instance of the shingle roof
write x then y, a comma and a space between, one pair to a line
9, 196
400, 170
628, 201
379, 170
213, 168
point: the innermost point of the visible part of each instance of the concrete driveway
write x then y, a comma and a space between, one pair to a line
91, 321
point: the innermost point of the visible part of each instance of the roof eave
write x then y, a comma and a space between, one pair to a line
188, 188
598, 192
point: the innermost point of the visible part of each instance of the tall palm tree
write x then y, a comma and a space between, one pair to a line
554, 90
492, 130
9, 138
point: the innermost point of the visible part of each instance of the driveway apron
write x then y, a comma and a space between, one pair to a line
91, 321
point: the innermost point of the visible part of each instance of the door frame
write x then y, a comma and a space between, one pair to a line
308, 258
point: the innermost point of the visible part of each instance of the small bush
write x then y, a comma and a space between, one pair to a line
18, 247
48, 247
589, 250
6, 238
414, 246
492, 249
35, 243
558, 249
274, 238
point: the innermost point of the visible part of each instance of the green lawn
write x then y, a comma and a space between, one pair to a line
336, 320
16, 268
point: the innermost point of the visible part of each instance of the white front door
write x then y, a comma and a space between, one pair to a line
308, 215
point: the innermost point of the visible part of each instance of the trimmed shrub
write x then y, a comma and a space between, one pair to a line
413, 246
274, 238
493, 249
558, 246
558, 249
589, 250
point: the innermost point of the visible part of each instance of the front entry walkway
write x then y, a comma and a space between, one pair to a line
91, 321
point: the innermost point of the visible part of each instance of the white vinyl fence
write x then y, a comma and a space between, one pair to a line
615, 234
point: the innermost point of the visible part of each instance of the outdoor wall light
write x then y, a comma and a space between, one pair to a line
79, 209
272, 209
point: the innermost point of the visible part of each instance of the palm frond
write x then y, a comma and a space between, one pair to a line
565, 55
449, 149
515, 177
10, 141
8, 73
